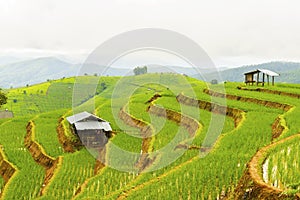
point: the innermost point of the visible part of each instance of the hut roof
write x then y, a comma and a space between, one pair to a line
88, 121
81, 116
265, 71
93, 125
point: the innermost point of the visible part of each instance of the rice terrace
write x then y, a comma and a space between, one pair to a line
256, 156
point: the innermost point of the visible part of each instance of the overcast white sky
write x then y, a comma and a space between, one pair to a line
232, 32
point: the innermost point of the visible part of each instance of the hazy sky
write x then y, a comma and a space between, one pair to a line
232, 32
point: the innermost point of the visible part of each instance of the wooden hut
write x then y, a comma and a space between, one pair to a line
6, 114
250, 76
93, 131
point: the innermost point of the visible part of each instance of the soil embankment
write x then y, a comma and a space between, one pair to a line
38, 154
146, 133
189, 123
100, 162
234, 113
7, 170
252, 186
288, 94
269, 104
66, 143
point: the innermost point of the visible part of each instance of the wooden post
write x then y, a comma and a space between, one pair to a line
268, 79
257, 79
272, 80
263, 81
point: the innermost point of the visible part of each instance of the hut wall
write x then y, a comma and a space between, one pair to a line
93, 138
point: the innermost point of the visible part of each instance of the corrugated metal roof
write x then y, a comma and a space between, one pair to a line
93, 125
268, 72
106, 126
265, 71
80, 116
252, 72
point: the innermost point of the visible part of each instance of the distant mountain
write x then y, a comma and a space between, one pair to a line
152, 68
34, 71
289, 72
41, 69
5, 60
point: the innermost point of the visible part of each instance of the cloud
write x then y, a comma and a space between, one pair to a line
262, 30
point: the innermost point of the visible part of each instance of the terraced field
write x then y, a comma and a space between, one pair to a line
187, 140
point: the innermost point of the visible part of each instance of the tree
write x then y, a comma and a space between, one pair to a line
3, 98
103, 85
140, 70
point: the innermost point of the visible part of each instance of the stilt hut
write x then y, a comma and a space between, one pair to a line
253, 77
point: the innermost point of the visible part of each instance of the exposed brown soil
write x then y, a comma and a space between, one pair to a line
189, 123
68, 145
193, 147
39, 156
269, 104
146, 132
156, 96
6, 170
277, 128
234, 113
293, 95
100, 162
252, 186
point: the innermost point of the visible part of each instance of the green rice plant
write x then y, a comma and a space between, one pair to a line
283, 166
239, 164
45, 132
1, 184
109, 179
138, 103
189, 177
28, 179
207, 177
74, 170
